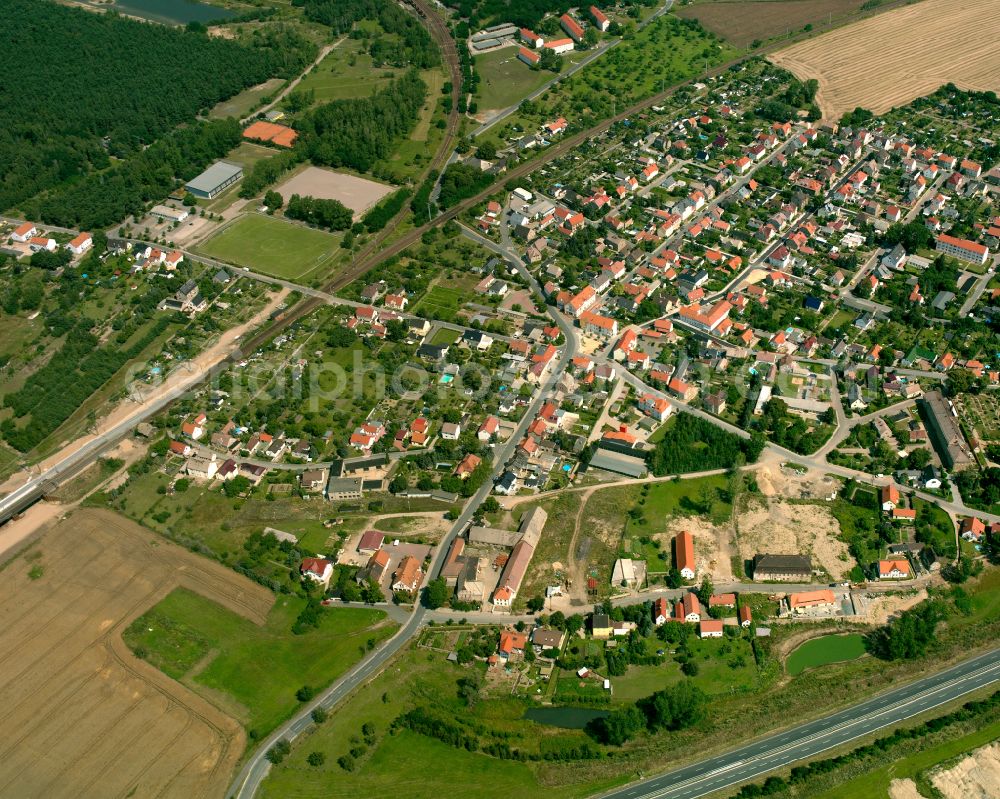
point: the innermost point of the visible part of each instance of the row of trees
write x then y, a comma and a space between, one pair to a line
61, 123
54, 392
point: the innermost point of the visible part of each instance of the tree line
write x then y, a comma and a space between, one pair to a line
329, 214
101, 199
86, 88
357, 133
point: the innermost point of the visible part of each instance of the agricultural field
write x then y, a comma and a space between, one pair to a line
742, 22
275, 247
890, 59
109, 724
254, 669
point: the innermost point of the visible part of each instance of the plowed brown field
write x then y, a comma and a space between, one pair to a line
80, 716
890, 59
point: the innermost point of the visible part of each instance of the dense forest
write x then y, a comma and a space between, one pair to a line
104, 198
86, 87
415, 46
692, 444
357, 133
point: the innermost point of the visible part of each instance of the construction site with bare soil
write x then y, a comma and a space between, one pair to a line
82, 716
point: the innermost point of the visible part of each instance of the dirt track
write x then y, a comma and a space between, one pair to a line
81, 716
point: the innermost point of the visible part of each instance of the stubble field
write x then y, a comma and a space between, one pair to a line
81, 716
890, 59
744, 21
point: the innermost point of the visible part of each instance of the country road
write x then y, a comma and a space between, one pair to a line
807, 740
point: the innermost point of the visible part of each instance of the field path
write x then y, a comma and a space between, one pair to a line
888, 60
323, 53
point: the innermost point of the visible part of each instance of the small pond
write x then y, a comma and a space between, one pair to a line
569, 718
169, 12
828, 649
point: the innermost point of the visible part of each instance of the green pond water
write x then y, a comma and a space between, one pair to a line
169, 12
828, 649
569, 718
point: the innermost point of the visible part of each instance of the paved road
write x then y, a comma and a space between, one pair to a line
255, 769
756, 759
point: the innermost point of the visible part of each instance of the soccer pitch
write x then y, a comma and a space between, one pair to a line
274, 247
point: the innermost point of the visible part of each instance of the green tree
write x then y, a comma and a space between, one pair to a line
436, 594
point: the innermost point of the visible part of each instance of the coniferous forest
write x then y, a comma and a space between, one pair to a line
87, 89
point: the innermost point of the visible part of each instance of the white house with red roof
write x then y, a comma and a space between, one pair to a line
80, 244
601, 22
530, 38
556, 127
656, 407
319, 570
22, 233
529, 57
559, 46
572, 27
488, 429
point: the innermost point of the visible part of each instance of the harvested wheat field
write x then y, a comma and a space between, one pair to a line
888, 60
81, 716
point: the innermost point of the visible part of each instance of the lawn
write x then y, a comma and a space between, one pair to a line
681, 498
255, 670
346, 73
441, 299
821, 651
241, 104
724, 666
876, 783
505, 80
274, 247
445, 335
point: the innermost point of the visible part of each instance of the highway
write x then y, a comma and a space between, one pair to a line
754, 760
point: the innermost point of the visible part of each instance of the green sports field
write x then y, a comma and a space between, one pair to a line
274, 247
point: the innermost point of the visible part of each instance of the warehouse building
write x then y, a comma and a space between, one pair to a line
215, 180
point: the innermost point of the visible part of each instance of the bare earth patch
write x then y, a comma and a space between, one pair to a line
881, 608
781, 527
358, 194
904, 789
889, 59
974, 777
81, 715
711, 545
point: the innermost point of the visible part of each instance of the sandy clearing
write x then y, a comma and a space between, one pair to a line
974, 777
782, 527
108, 723
879, 609
358, 194
712, 547
129, 409
890, 59
904, 789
